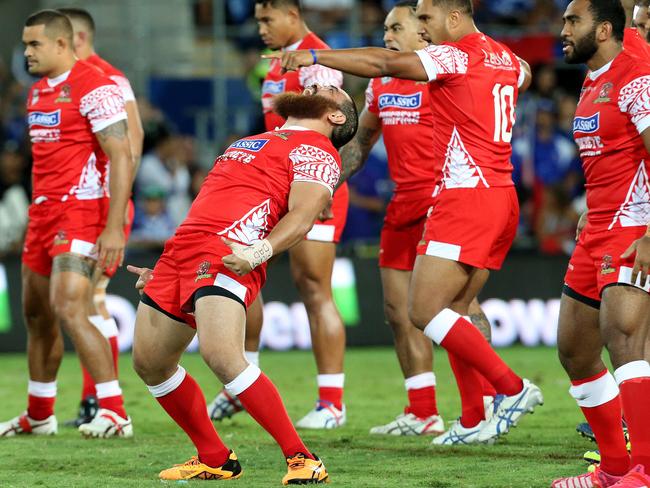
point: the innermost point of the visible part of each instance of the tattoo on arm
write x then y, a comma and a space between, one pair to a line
119, 130
482, 323
73, 263
354, 155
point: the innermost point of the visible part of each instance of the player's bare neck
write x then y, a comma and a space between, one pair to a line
301, 32
63, 67
605, 54
465, 29
85, 51
316, 125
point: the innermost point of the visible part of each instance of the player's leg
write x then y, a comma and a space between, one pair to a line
225, 405
70, 287
221, 327
624, 327
415, 355
44, 354
312, 263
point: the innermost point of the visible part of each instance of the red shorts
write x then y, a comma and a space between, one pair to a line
57, 227
191, 262
596, 262
402, 231
332, 229
127, 232
472, 226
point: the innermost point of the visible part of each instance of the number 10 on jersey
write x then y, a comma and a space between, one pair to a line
504, 112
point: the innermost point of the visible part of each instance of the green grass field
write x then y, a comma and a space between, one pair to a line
543, 447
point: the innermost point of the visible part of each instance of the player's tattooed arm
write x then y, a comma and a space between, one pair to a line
119, 130
355, 153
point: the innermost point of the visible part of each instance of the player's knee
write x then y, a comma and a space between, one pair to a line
150, 372
396, 317
420, 315
313, 291
69, 310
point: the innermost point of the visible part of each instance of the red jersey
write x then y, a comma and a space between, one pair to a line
635, 44
277, 82
247, 191
63, 115
407, 127
473, 91
614, 108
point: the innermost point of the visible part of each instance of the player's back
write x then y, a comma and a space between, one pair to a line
474, 91
247, 191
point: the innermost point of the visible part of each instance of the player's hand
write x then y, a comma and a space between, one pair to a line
234, 262
144, 276
110, 248
582, 222
642, 261
326, 213
292, 60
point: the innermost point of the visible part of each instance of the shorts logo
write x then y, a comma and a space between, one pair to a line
393, 100
606, 266
603, 96
45, 119
61, 239
587, 125
202, 271
273, 87
254, 145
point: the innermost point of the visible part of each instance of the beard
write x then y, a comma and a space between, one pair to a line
303, 106
583, 49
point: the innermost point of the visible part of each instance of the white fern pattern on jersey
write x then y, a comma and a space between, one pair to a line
251, 227
634, 99
460, 170
312, 163
90, 185
635, 211
448, 59
102, 104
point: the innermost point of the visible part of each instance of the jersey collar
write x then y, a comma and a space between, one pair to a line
594, 75
52, 82
294, 46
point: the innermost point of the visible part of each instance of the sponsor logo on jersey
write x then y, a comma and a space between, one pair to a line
587, 125
45, 119
282, 135
273, 87
64, 95
501, 60
606, 266
393, 100
603, 96
253, 145
202, 273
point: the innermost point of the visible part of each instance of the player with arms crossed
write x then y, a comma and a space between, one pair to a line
84, 38
281, 26
76, 118
605, 299
262, 196
473, 87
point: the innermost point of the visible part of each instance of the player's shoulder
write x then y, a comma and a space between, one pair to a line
106, 67
312, 41
89, 76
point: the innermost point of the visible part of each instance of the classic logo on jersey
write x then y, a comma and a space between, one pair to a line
64, 95
252, 226
587, 125
45, 119
202, 273
394, 100
254, 145
603, 96
606, 266
270, 87
498, 61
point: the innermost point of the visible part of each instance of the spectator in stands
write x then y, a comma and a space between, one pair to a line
14, 201
152, 224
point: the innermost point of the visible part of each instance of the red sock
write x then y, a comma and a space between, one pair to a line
113, 403
40, 408
488, 389
604, 420
422, 402
88, 385
186, 405
459, 337
471, 391
635, 394
332, 395
115, 352
262, 401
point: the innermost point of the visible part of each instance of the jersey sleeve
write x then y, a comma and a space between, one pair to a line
634, 100
371, 100
103, 106
315, 165
125, 87
320, 75
443, 61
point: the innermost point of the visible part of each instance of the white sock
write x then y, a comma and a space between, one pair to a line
244, 380
108, 327
418, 381
108, 389
440, 325
42, 390
169, 385
253, 357
330, 380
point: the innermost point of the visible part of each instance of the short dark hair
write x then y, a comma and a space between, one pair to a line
465, 6
55, 23
609, 11
280, 4
342, 134
412, 4
80, 14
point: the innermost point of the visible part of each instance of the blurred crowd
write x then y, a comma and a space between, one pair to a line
547, 170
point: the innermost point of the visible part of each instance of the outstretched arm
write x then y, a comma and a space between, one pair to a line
355, 153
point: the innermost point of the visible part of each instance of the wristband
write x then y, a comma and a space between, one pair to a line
256, 254
313, 55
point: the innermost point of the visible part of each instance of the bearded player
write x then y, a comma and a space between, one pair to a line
76, 118
281, 26
262, 196
84, 38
